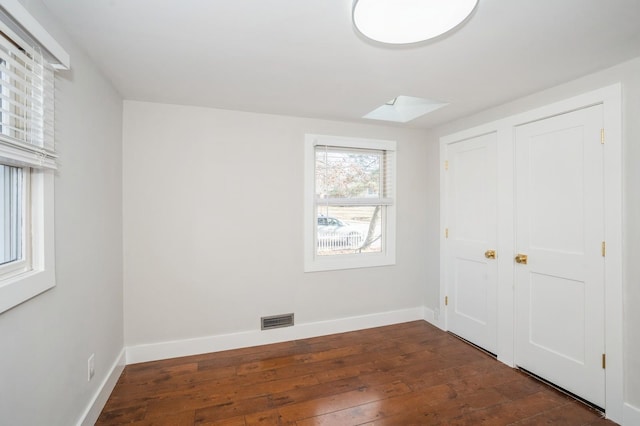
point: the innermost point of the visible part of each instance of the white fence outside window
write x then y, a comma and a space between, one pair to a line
339, 241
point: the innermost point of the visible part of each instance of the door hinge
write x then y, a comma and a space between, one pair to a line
446, 165
604, 361
446, 301
446, 232
604, 249
601, 135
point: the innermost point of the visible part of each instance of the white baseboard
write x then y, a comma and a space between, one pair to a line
93, 410
630, 415
178, 348
432, 316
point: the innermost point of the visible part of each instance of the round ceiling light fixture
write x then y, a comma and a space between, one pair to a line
409, 21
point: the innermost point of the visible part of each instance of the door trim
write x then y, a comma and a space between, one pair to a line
611, 99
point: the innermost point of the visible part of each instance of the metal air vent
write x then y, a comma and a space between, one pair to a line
276, 321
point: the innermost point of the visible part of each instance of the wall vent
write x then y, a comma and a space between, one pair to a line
276, 321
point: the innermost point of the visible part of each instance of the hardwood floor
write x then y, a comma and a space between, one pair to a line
404, 374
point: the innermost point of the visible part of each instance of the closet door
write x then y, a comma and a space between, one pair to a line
471, 274
559, 264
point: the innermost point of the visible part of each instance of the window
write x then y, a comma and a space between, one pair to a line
349, 203
27, 160
13, 226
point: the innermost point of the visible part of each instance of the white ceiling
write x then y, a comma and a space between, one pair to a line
304, 58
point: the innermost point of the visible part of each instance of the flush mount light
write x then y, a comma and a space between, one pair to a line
409, 21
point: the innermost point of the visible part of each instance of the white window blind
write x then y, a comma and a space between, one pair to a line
26, 104
353, 176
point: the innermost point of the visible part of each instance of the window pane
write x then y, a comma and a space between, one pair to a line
348, 173
353, 229
11, 213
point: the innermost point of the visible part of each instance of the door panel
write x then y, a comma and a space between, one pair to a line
471, 287
471, 207
556, 172
560, 227
551, 293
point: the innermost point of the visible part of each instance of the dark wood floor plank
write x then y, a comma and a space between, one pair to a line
232, 421
571, 413
303, 358
404, 374
118, 415
318, 391
376, 410
270, 417
185, 418
167, 383
319, 406
231, 410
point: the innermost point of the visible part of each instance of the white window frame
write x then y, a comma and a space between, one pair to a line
314, 262
17, 286
35, 273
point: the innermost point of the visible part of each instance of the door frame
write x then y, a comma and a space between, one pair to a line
611, 99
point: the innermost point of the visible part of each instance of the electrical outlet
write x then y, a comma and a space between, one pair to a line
91, 367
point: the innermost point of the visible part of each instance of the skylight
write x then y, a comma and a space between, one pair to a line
404, 109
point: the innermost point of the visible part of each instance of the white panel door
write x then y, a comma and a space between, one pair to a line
471, 212
560, 228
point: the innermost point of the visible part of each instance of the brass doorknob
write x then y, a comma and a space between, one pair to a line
521, 258
490, 254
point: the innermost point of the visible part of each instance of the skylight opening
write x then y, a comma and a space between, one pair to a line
403, 109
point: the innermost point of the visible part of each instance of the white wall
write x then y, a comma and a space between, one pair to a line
45, 342
629, 75
431, 164
213, 235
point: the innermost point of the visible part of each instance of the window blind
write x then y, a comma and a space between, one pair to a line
353, 176
26, 104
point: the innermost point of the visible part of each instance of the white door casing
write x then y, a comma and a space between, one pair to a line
560, 227
472, 273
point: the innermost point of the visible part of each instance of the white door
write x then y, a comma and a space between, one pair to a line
471, 212
560, 228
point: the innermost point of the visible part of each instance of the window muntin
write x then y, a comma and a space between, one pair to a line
349, 185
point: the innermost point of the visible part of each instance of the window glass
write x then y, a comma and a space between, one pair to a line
344, 173
11, 213
349, 229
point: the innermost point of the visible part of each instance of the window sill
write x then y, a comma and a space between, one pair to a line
334, 263
22, 287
